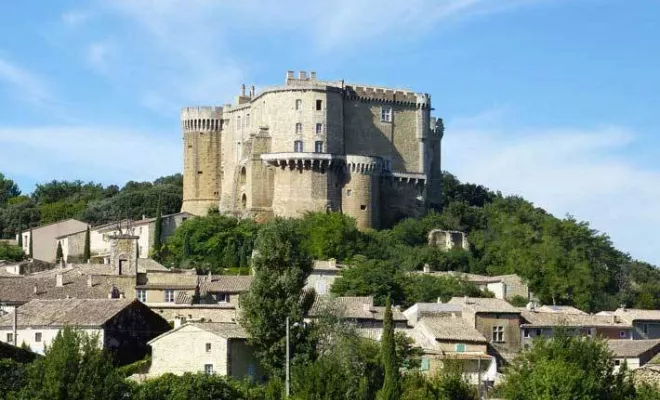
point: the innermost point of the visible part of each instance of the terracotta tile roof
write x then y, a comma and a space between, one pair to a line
484, 305
547, 319
73, 312
632, 314
633, 348
450, 329
351, 307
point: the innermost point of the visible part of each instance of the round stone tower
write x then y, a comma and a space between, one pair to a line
360, 196
202, 167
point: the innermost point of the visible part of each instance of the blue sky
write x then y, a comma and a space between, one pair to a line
554, 100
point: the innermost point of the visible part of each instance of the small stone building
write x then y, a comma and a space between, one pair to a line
208, 347
122, 326
646, 323
503, 287
357, 310
635, 353
44, 242
448, 240
323, 276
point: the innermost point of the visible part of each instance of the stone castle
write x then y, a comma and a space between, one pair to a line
310, 145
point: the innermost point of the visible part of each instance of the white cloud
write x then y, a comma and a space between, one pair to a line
24, 84
98, 56
585, 173
101, 154
75, 18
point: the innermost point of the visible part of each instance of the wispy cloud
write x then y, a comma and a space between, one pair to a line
102, 154
24, 84
585, 173
98, 56
75, 18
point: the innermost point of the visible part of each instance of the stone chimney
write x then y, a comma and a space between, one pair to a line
178, 321
90, 280
59, 280
312, 75
302, 75
427, 269
243, 89
252, 91
35, 289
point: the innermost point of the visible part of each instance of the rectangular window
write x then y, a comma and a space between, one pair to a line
208, 347
298, 146
318, 147
425, 365
645, 328
222, 297
526, 333
386, 114
460, 347
298, 104
10, 337
319, 129
617, 362
169, 296
319, 105
208, 369
141, 295
37, 337
539, 332
498, 334
298, 127
247, 121
238, 122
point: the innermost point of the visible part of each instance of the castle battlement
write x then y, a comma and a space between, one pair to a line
364, 164
205, 118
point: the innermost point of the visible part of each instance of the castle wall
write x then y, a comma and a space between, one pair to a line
300, 190
400, 200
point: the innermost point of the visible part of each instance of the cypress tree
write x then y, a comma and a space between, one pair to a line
59, 254
158, 231
87, 251
30, 254
20, 239
391, 388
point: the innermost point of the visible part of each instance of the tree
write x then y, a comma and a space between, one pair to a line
187, 386
329, 235
59, 254
391, 387
87, 249
20, 239
566, 368
30, 245
158, 232
281, 267
11, 253
74, 367
8, 190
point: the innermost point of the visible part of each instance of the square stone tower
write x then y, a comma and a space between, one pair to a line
124, 254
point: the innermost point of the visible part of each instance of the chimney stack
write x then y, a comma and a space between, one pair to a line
243, 89
302, 75
252, 91
35, 290
90, 280
59, 280
289, 75
427, 269
312, 75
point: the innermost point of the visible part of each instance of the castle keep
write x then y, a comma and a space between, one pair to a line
311, 145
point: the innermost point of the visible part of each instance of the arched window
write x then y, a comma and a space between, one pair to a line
244, 200
238, 122
247, 121
298, 146
243, 176
298, 127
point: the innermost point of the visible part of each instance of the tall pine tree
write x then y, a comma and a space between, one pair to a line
87, 251
20, 239
391, 387
158, 232
59, 254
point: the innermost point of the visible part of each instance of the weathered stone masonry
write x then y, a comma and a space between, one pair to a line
310, 145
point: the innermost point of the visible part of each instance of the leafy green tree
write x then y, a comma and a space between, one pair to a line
566, 367
11, 253
370, 278
8, 190
74, 368
187, 386
281, 267
391, 386
12, 376
59, 254
87, 248
329, 235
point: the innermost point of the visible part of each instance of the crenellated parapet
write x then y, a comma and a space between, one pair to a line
196, 119
387, 96
366, 165
303, 161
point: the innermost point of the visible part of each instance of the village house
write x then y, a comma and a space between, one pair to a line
503, 287
44, 242
646, 323
497, 320
122, 326
208, 347
536, 323
323, 276
635, 353
358, 310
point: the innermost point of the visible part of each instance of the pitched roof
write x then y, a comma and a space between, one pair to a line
227, 283
36, 228
354, 307
633, 348
632, 314
73, 312
484, 305
549, 319
450, 329
226, 330
560, 309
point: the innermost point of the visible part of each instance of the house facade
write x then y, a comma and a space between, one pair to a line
44, 242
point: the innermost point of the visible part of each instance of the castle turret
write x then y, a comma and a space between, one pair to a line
361, 193
202, 164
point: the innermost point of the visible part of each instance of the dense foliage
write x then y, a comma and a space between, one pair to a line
10, 252
90, 202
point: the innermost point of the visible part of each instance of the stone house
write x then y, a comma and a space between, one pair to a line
497, 320
357, 310
323, 276
635, 353
503, 287
646, 323
122, 326
448, 240
545, 324
209, 347
44, 242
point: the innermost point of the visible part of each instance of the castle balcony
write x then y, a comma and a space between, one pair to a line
300, 161
408, 177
